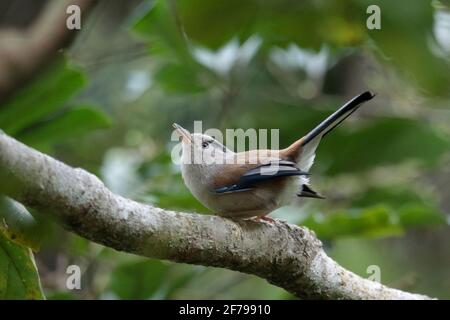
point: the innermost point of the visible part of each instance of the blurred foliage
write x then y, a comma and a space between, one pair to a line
251, 64
379, 221
43, 97
307, 24
391, 141
39, 115
151, 278
157, 280
73, 123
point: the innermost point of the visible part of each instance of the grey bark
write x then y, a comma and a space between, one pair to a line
287, 256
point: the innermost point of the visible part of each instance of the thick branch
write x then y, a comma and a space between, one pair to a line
287, 256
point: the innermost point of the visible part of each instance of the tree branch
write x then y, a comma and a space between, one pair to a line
287, 256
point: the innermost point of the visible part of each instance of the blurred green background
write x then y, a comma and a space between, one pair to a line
107, 104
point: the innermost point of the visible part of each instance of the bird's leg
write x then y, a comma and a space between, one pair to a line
264, 218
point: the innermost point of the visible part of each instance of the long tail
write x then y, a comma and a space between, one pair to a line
303, 150
337, 117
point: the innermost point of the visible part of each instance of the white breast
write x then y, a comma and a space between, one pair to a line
198, 179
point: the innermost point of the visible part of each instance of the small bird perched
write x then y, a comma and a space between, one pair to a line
256, 182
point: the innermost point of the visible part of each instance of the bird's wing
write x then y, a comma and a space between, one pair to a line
247, 177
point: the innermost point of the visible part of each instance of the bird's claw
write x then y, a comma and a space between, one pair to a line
264, 218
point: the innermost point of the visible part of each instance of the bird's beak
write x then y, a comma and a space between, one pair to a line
182, 132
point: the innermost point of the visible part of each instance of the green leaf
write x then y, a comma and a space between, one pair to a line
49, 92
138, 280
71, 124
19, 278
18, 225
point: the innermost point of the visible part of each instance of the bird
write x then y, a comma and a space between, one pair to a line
252, 184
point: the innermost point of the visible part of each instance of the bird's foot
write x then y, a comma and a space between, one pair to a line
264, 218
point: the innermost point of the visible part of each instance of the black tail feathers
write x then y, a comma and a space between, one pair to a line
337, 117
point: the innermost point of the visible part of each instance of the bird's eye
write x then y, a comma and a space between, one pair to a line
205, 144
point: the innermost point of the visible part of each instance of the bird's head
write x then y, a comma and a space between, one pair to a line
200, 148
